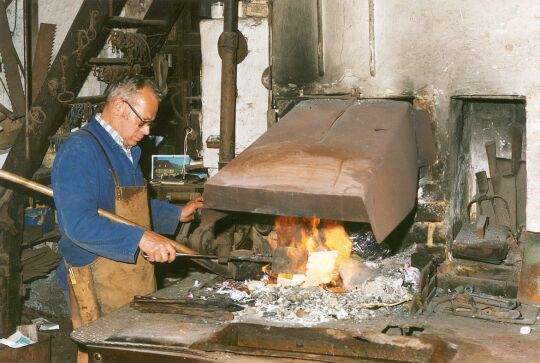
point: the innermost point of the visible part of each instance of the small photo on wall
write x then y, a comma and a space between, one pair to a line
167, 167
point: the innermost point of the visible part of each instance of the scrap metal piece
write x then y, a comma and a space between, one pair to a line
491, 248
218, 310
42, 56
9, 60
335, 159
485, 307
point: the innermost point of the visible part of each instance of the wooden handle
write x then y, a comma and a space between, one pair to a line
212, 266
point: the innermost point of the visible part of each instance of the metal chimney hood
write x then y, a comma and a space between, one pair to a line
350, 160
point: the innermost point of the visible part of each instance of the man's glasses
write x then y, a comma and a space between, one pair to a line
142, 122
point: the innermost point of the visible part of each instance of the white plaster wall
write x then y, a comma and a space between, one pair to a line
457, 47
252, 100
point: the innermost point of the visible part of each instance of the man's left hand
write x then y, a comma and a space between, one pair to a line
188, 211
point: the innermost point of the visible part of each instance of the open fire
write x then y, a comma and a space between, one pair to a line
312, 260
318, 253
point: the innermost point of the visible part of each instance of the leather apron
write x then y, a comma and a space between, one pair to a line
106, 285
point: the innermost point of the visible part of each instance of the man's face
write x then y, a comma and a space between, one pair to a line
138, 114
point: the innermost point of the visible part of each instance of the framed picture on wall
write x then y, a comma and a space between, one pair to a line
168, 167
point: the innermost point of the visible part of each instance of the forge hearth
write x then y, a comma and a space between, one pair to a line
132, 335
149, 334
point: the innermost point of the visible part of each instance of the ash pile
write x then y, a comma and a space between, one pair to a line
343, 277
385, 290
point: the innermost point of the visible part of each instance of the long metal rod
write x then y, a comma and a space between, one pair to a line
271, 117
372, 69
27, 11
40, 188
254, 258
228, 44
320, 38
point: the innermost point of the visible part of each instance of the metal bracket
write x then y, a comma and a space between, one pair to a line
233, 41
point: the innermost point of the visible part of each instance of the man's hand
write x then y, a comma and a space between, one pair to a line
157, 247
188, 211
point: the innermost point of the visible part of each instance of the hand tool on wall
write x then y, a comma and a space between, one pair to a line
210, 265
11, 69
42, 56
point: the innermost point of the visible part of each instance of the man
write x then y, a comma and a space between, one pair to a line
98, 167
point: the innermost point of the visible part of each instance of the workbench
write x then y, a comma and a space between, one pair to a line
130, 335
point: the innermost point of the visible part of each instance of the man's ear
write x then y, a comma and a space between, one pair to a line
117, 105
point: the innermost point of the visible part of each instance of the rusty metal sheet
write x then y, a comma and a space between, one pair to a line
333, 159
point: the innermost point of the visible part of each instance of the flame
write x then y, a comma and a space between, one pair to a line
314, 237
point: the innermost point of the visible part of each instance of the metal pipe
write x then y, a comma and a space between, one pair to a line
372, 69
228, 45
271, 116
27, 11
320, 37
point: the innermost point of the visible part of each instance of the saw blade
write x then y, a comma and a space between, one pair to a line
42, 56
9, 59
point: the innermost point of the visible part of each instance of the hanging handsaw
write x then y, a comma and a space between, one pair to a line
42, 56
9, 59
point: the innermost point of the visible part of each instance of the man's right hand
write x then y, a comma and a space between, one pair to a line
157, 247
